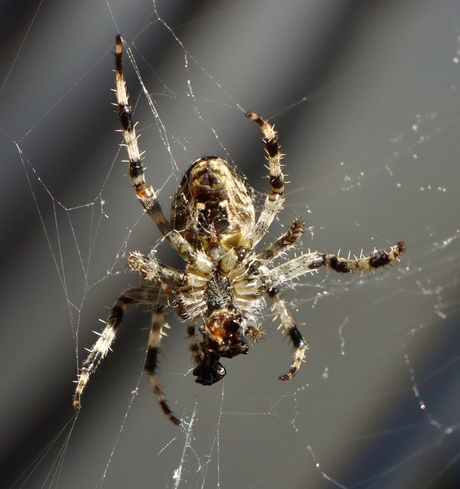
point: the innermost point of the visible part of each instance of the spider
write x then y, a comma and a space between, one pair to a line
214, 228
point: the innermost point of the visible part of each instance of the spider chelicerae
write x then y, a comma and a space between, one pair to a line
214, 228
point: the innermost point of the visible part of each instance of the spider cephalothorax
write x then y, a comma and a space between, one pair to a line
215, 229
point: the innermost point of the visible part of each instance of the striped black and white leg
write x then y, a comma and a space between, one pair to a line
310, 262
284, 242
136, 295
151, 361
274, 201
144, 192
289, 327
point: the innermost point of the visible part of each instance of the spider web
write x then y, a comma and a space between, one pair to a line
365, 98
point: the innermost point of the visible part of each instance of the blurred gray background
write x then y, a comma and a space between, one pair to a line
365, 98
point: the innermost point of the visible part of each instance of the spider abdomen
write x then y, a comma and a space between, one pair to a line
213, 207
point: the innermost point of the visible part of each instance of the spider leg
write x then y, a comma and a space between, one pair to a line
290, 328
274, 201
308, 262
154, 271
151, 360
284, 242
274, 155
144, 192
193, 344
135, 295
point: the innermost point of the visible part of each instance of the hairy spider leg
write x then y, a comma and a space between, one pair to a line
151, 360
274, 155
274, 201
135, 295
144, 192
273, 204
284, 242
308, 262
289, 327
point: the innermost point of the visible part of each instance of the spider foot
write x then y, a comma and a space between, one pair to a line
301, 347
292, 371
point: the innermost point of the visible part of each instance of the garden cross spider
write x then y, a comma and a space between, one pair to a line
214, 228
